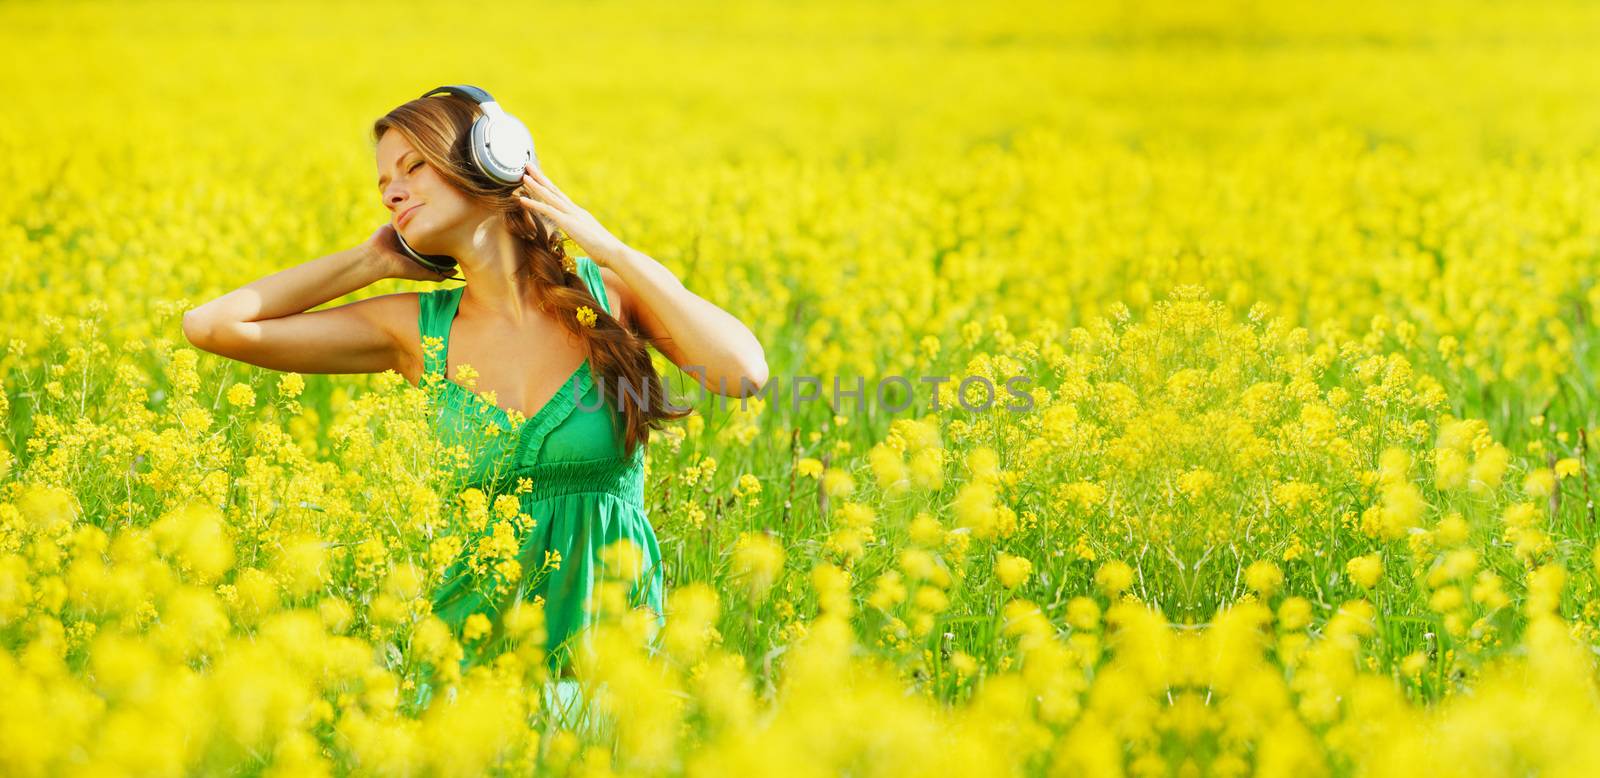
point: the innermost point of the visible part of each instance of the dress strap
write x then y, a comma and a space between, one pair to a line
589, 270
433, 310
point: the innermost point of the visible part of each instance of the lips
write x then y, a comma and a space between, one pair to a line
406, 214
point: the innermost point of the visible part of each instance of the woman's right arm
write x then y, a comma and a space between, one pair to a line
265, 322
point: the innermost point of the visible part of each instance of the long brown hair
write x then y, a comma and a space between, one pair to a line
439, 128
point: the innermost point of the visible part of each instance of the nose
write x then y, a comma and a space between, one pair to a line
395, 194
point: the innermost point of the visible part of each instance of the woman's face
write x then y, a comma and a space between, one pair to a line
425, 209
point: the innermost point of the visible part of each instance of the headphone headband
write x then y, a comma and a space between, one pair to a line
466, 91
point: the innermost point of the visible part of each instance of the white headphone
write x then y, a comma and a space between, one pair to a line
501, 147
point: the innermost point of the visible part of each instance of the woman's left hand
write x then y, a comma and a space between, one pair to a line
567, 216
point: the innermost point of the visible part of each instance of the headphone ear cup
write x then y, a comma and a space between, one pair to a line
501, 146
501, 143
439, 263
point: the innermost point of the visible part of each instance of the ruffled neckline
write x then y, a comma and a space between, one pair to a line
533, 430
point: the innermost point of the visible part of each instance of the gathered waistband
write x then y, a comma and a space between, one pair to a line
621, 478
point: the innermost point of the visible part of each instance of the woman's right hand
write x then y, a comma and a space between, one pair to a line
384, 247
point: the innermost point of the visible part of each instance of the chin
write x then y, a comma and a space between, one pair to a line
420, 241
418, 228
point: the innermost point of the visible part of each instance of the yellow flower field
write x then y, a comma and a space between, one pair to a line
1306, 297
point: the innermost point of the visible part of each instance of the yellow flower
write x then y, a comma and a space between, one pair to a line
477, 627
837, 483
1083, 613
48, 508
1414, 663
1196, 482
301, 564
1012, 570
1544, 588
848, 542
757, 561
1263, 576
1456, 564
1489, 467
1083, 550
241, 395
963, 664
918, 564
832, 585
1446, 599
889, 467
809, 467
1451, 530
196, 534
1113, 577
748, 484
1294, 613
1449, 468
927, 468
984, 464
1539, 483
291, 385
926, 531
889, 591
404, 581
586, 316
1365, 570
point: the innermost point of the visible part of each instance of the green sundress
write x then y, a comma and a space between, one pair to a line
585, 494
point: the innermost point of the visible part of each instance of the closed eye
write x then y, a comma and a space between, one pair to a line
411, 169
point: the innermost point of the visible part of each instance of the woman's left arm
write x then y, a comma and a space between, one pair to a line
700, 338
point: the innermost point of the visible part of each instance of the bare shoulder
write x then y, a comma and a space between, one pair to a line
617, 294
398, 313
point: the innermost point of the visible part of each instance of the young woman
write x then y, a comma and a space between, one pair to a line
551, 336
